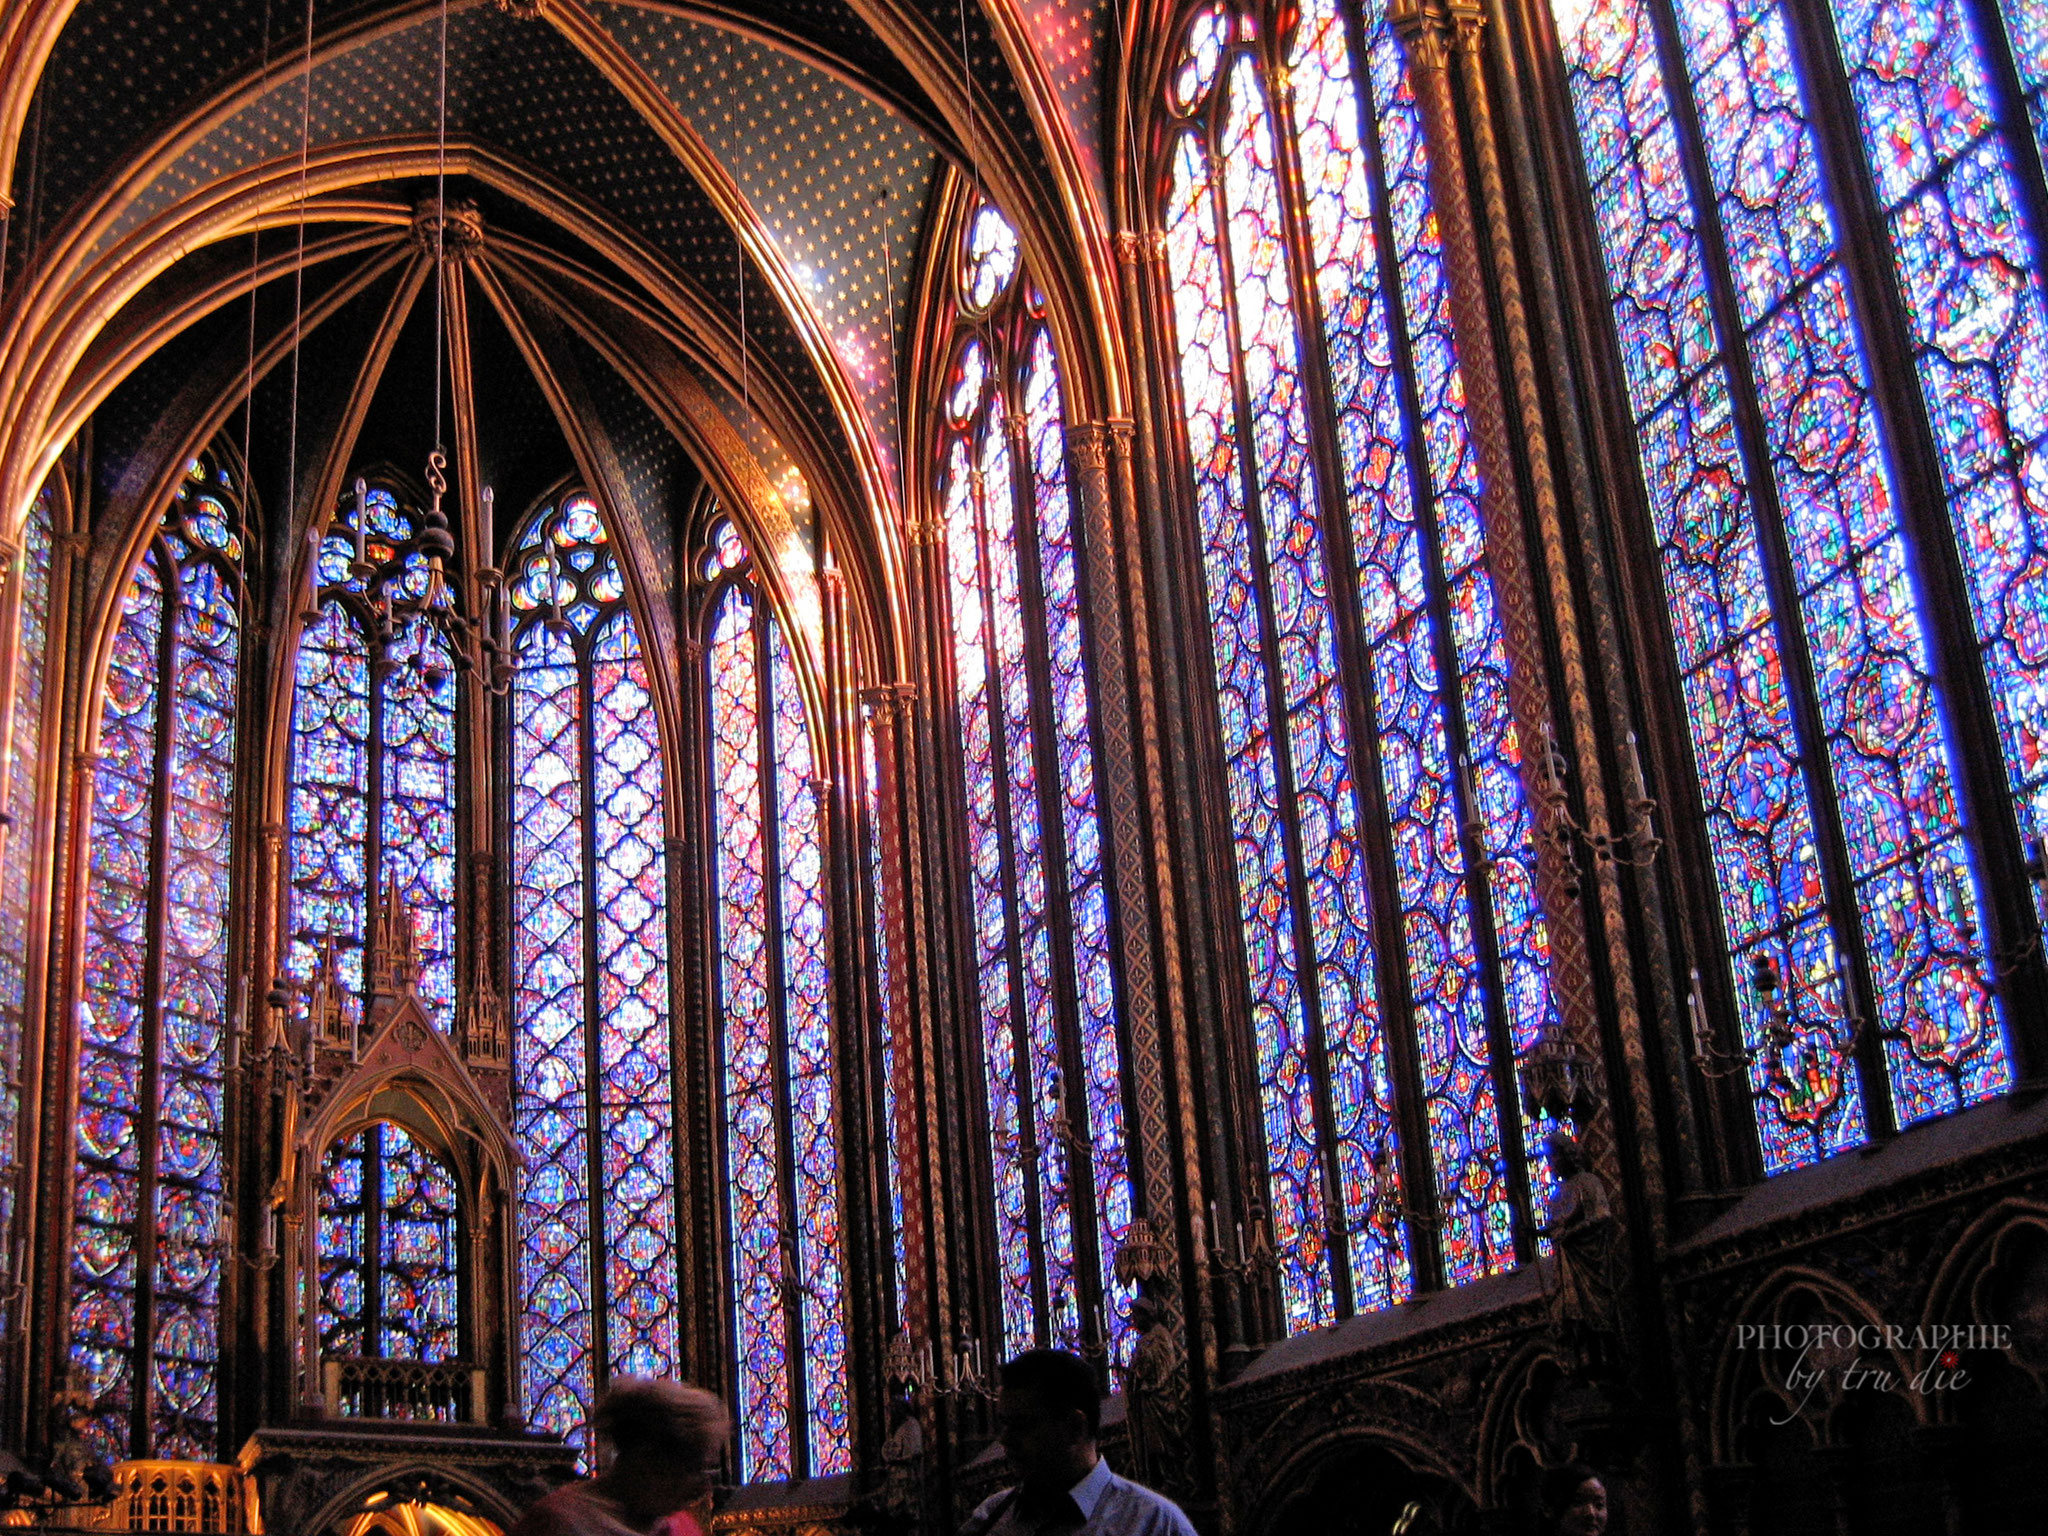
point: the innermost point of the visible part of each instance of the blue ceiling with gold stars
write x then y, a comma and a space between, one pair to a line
805, 115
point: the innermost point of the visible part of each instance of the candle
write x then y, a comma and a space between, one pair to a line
1632, 767
1465, 788
362, 522
1701, 1037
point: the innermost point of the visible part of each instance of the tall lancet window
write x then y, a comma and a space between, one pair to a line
1051, 1038
1822, 228
148, 1242
593, 1080
772, 992
897, 1100
373, 756
1395, 958
18, 860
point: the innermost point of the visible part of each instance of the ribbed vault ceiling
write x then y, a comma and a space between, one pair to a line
646, 172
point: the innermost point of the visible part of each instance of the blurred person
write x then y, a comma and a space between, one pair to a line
665, 1440
1574, 1501
1049, 1415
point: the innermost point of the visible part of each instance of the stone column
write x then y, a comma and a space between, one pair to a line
1433, 33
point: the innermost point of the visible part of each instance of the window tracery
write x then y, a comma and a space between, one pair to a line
593, 1085
389, 1232
1395, 956
1051, 1036
148, 1192
1786, 196
772, 995
373, 757
24, 817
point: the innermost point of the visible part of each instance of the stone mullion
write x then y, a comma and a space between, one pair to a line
1427, 29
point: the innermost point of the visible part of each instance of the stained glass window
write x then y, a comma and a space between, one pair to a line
147, 1246
17, 864
1051, 1035
773, 999
896, 1098
1847, 841
389, 1245
1385, 873
593, 1085
373, 757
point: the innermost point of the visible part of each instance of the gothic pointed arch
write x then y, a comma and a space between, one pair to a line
592, 997
150, 1181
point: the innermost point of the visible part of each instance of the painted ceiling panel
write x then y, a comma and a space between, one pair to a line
826, 26
1074, 40
839, 181
120, 70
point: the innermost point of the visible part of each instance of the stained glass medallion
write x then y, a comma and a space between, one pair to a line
1382, 845
144, 1315
1820, 724
592, 1086
774, 1000
1050, 1032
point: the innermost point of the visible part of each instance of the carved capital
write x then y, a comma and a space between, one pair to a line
1468, 20
1088, 442
1425, 28
1136, 245
880, 702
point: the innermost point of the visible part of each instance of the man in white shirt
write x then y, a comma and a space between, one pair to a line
1050, 1414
